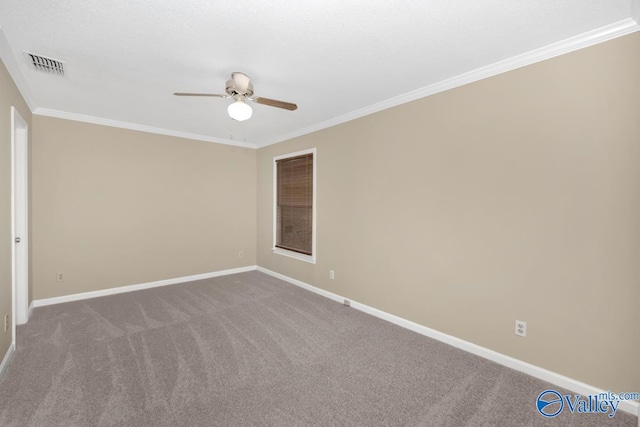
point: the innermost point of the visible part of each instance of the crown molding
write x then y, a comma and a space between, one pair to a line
134, 126
590, 38
9, 60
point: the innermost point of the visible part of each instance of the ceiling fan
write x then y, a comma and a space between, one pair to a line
240, 89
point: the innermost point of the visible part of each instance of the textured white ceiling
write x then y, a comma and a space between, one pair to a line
333, 58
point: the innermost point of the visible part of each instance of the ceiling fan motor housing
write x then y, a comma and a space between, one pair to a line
231, 89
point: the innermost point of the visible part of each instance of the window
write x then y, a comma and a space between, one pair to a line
294, 205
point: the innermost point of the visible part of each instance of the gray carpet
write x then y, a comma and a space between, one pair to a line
251, 350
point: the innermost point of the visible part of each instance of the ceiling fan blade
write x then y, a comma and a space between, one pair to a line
201, 94
275, 103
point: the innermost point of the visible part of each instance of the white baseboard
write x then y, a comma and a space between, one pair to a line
575, 386
6, 359
140, 286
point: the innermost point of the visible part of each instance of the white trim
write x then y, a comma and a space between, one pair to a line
14, 113
19, 218
133, 126
302, 284
599, 35
559, 380
635, 15
291, 254
307, 258
6, 359
138, 287
31, 306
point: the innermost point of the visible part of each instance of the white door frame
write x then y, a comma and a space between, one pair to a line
19, 221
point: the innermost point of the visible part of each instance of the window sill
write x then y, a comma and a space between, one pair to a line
302, 257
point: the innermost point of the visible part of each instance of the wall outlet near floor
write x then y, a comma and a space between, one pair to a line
521, 328
347, 303
7, 322
240, 254
59, 277
332, 274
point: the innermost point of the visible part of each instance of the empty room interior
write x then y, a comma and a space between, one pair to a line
346, 213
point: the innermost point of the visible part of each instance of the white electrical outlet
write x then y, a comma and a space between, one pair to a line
59, 277
332, 274
240, 254
7, 322
521, 328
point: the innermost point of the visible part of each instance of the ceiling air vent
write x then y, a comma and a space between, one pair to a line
44, 64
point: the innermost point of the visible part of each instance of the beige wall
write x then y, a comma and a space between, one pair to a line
9, 96
516, 197
114, 207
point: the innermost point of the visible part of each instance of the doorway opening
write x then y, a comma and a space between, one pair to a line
19, 221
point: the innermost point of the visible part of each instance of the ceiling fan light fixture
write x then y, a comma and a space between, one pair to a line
239, 110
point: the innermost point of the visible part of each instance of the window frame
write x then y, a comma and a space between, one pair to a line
280, 251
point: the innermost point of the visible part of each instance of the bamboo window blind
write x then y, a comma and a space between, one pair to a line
294, 222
